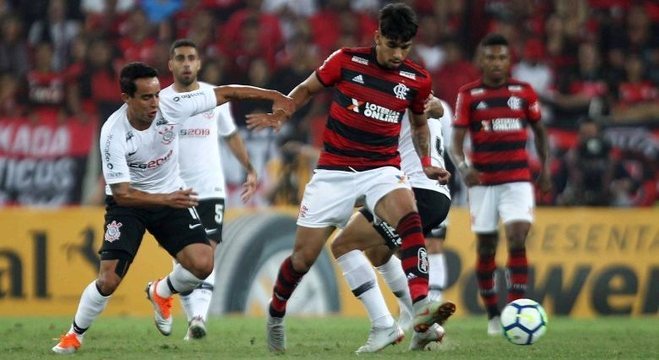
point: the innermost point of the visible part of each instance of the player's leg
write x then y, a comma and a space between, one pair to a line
180, 232
437, 262
358, 272
196, 302
516, 208
309, 242
123, 236
484, 215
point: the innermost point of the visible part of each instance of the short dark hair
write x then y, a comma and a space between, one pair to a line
181, 43
494, 39
398, 22
131, 72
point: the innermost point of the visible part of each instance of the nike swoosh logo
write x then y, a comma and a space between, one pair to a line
132, 153
211, 231
192, 226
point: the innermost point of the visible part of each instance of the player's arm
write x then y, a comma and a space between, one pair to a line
542, 148
239, 150
469, 174
280, 102
127, 196
300, 95
421, 139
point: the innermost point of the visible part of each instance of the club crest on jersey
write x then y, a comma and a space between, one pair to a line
112, 233
514, 103
400, 91
167, 134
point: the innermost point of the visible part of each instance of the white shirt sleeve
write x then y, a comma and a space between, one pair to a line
113, 158
225, 123
180, 106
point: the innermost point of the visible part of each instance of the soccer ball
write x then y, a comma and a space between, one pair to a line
523, 321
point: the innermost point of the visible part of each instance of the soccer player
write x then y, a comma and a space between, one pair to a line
139, 155
373, 87
496, 111
201, 169
362, 233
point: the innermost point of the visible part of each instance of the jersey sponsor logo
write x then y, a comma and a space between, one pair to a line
408, 74
514, 88
114, 175
423, 261
167, 134
481, 106
153, 163
514, 103
506, 124
112, 232
374, 111
194, 132
189, 95
358, 79
476, 91
106, 152
401, 91
359, 60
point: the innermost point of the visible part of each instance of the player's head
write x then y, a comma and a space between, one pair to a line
494, 59
397, 28
184, 62
139, 89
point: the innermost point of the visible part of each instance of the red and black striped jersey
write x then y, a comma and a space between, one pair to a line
497, 120
369, 101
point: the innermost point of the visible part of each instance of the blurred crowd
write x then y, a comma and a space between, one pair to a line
594, 63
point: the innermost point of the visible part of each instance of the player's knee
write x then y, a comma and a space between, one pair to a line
108, 282
202, 267
301, 262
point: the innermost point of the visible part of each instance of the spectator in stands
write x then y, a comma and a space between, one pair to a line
590, 168
57, 29
637, 98
14, 57
103, 17
584, 90
137, 38
332, 23
9, 106
427, 46
455, 72
534, 70
100, 77
45, 86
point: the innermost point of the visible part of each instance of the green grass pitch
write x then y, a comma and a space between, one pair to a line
331, 337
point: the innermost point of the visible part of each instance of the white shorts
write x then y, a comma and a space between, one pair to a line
508, 202
330, 197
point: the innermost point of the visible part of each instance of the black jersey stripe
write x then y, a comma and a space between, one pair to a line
499, 146
373, 155
358, 135
502, 166
371, 82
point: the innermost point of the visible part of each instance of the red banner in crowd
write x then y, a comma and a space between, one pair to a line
43, 163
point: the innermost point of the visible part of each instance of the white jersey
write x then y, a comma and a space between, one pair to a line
410, 161
199, 150
148, 159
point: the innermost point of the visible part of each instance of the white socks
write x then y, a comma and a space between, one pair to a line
436, 276
182, 280
196, 303
92, 303
359, 273
394, 276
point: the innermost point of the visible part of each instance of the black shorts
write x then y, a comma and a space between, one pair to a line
433, 208
124, 228
211, 213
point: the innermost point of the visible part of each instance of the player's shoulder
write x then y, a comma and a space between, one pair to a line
470, 87
515, 85
115, 123
205, 85
168, 91
411, 69
357, 55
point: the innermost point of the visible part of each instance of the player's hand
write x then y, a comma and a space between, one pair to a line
182, 199
437, 173
249, 186
471, 176
544, 181
433, 108
283, 103
261, 121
